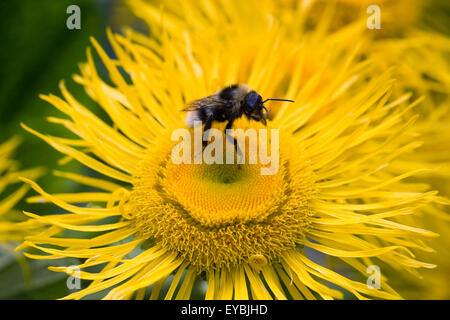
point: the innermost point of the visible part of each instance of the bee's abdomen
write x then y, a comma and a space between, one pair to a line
191, 117
203, 115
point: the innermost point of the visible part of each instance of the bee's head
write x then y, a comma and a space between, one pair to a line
253, 107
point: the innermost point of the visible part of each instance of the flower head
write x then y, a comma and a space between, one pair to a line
245, 234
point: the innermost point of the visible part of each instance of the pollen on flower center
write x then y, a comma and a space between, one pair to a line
221, 214
222, 194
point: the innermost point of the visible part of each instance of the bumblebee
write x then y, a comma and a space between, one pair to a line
228, 104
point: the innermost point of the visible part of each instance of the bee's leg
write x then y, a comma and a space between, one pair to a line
208, 124
260, 119
233, 139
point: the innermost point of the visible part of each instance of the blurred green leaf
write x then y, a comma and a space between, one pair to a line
44, 284
38, 50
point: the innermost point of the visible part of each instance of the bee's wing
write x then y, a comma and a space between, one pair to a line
213, 102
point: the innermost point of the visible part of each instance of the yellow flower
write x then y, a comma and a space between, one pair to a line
423, 67
244, 234
396, 17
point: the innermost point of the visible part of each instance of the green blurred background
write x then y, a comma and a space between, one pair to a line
37, 51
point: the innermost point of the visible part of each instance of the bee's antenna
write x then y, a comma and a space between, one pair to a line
278, 100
